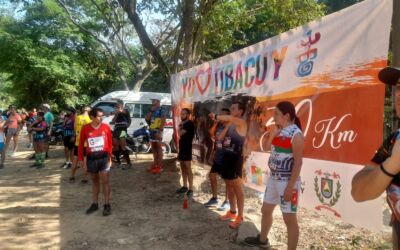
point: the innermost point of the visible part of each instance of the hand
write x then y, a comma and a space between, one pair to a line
110, 162
49, 133
72, 139
274, 131
287, 194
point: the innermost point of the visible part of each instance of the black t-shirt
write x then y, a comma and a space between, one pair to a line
185, 142
122, 120
393, 190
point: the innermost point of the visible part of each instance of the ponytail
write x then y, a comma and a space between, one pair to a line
297, 122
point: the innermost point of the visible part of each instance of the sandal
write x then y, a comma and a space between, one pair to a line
71, 179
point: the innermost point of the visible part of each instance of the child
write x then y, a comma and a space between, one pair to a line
39, 129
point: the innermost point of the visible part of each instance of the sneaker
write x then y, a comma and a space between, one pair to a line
47, 155
64, 165
156, 170
236, 223
128, 166
71, 179
93, 208
41, 165
84, 181
212, 202
12, 154
182, 190
228, 216
255, 242
69, 165
150, 169
225, 206
189, 194
1, 166
32, 157
106, 210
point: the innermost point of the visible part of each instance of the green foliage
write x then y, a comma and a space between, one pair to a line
48, 60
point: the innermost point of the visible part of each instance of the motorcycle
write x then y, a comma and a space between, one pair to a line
57, 134
140, 142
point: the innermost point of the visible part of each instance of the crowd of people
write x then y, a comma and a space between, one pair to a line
91, 145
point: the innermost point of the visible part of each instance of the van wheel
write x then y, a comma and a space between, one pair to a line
173, 146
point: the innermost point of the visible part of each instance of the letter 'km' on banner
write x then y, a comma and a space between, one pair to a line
327, 68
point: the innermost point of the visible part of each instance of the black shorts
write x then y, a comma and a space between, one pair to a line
232, 165
98, 162
119, 134
185, 154
67, 142
216, 168
76, 151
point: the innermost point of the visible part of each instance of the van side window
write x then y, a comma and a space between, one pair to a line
137, 110
107, 107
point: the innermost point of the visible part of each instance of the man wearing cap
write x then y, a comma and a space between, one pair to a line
384, 174
49, 118
156, 120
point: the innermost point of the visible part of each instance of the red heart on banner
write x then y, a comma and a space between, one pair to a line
199, 85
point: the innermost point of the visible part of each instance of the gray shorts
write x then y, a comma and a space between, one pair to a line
12, 132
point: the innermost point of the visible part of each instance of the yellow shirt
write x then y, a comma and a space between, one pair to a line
80, 121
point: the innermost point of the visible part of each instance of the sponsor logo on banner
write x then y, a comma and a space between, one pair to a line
327, 190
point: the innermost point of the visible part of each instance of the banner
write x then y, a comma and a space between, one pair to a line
328, 69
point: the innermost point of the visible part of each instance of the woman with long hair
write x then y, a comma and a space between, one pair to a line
286, 143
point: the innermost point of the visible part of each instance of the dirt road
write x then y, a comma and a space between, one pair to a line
40, 209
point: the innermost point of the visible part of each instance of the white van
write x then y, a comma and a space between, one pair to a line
138, 104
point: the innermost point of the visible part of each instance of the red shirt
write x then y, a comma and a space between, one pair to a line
98, 140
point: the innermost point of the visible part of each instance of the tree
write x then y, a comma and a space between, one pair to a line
204, 31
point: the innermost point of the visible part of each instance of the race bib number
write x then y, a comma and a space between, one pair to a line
96, 143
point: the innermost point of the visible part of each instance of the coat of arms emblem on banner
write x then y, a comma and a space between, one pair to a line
327, 188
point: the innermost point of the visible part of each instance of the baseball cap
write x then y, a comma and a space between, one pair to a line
156, 97
46, 105
389, 75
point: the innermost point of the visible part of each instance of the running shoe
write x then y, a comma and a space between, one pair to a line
212, 202
12, 154
225, 206
150, 169
189, 194
107, 210
41, 165
71, 179
228, 216
69, 165
236, 223
182, 190
93, 208
256, 242
156, 170
64, 165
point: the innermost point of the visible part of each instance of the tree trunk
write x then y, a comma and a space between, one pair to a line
140, 80
395, 42
188, 16
130, 8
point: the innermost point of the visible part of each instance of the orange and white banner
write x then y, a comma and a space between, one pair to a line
327, 68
